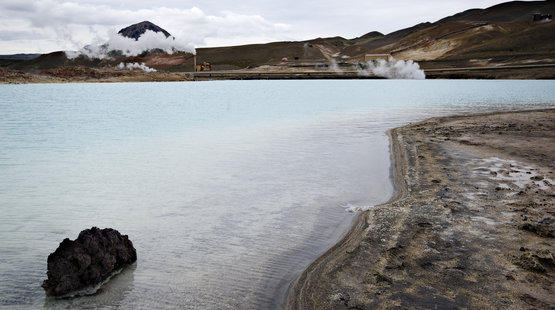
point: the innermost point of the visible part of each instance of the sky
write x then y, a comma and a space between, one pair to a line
44, 26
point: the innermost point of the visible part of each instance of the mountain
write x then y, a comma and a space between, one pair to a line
504, 35
7, 60
136, 30
501, 35
515, 11
20, 56
177, 61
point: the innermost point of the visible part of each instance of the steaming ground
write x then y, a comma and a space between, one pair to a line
393, 69
149, 40
389, 69
135, 65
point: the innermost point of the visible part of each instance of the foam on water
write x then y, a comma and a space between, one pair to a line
356, 208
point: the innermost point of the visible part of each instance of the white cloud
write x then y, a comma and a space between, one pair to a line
130, 47
72, 25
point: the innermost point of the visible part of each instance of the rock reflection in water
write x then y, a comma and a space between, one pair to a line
110, 295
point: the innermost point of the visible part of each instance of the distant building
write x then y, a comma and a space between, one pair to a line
542, 17
374, 57
205, 66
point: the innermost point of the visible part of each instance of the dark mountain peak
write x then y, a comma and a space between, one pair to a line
136, 30
513, 11
372, 35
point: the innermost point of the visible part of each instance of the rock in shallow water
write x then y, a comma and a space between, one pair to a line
88, 261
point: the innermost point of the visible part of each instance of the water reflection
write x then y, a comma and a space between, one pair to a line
110, 295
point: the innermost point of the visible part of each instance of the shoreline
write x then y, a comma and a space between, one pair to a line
81, 74
470, 224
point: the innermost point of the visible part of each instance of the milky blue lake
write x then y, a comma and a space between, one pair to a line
227, 189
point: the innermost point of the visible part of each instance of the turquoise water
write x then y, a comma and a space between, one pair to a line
227, 189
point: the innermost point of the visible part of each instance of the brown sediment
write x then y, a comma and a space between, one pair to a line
471, 224
81, 74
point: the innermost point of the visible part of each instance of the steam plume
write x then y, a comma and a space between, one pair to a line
135, 65
333, 66
393, 69
130, 47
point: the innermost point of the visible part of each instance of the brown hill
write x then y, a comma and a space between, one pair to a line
515, 11
55, 60
505, 30
238, 57
179, 61
502, 35
466, 39
358, 48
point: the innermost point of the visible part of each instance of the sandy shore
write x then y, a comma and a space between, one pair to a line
471, 224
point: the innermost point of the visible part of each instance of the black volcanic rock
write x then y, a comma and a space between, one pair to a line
136, 30
88, 261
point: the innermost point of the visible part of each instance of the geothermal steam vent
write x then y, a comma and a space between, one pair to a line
79, 267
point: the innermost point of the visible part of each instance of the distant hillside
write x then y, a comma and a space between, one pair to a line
7, 60
503, 31
515, 11
20, 56
502, 35
359, 48
177, 61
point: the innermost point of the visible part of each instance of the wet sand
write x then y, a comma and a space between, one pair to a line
471, 224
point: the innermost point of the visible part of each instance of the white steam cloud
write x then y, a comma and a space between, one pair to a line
393, 69
130, 47
135, 65
333, 66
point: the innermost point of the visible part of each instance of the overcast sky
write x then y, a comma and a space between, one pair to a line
44, 26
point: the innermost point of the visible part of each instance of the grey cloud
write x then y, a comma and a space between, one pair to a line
19, 35
17, 6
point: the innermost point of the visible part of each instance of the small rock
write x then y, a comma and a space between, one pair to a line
542, 228
537, 261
